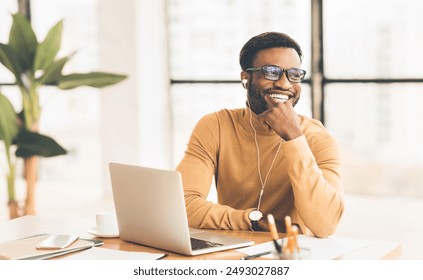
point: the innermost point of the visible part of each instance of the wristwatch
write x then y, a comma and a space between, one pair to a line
255, 216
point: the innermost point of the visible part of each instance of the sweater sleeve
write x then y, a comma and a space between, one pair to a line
197, 169
314, 171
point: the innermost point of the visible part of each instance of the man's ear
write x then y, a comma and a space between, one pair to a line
244, 79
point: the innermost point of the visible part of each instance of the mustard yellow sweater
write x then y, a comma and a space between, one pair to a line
304, 182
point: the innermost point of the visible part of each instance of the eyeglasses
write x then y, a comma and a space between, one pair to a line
274, 73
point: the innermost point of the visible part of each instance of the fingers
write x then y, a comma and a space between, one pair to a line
281, 117
278, 115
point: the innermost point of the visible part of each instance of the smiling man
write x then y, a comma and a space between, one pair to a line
265, 158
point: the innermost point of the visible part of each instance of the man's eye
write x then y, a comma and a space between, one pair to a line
295, 73
273, 71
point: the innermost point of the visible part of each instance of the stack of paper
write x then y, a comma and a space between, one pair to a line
111, 254
25, 249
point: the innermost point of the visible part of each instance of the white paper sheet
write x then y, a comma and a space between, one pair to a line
96, 253
320, 248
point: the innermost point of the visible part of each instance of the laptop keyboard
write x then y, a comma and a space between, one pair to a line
201, 244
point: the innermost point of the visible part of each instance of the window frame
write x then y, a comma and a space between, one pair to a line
317, 79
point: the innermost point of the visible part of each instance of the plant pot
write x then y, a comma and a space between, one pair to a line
14, 210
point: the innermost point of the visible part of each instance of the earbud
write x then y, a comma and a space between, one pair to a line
244, 83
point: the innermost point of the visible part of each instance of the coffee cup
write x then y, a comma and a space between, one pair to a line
106, 222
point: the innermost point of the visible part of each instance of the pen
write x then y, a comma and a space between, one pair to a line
274, 232
295, 236
288, 225
289, 243
250, 257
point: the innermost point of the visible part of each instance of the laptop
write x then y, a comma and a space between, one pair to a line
150, 210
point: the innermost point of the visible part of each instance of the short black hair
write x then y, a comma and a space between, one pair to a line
264, 41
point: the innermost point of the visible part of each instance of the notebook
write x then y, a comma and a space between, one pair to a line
25, 248
150, 210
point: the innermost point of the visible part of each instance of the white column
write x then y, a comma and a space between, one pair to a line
135, 113
153, 83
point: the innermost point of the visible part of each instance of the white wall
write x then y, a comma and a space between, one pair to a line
135, 113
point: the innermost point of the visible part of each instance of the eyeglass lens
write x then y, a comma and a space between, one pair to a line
274, 73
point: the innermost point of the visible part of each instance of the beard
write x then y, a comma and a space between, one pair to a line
256, 102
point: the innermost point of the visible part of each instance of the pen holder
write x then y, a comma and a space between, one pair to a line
303, 254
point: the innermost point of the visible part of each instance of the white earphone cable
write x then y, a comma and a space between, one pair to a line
263, 184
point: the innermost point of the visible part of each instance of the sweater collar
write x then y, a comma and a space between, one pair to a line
259, 125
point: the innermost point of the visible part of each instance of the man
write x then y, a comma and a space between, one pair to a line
265, 158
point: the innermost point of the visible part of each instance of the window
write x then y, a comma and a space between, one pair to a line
372, 85
365, 41
67, 116
372, 80
7, 8
205, 38
374, 92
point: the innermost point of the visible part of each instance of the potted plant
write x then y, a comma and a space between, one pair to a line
35, 64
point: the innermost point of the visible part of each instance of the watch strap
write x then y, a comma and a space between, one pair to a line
255, 226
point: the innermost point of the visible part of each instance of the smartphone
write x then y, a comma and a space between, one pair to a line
58, 241
97, 242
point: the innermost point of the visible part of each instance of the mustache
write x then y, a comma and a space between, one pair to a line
280, 90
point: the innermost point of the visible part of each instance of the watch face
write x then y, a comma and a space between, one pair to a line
255, 215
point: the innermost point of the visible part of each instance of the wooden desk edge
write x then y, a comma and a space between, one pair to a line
29, 225
378, 250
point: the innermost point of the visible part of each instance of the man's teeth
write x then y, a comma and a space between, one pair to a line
281, 97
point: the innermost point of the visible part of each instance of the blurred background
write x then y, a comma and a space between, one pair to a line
364, 82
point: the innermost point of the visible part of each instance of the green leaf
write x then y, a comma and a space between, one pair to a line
53, 72
23, 41
93, 79
34, 144
10, 61
8, 121
48, 49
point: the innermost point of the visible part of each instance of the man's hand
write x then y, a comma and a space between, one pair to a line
282, 118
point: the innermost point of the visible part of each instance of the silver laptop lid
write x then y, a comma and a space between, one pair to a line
150, 207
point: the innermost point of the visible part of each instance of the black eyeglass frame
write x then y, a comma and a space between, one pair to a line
281, 71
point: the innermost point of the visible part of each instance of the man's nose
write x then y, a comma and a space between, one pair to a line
283, 82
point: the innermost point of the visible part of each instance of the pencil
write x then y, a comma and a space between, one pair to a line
288, 225
295, 237
274, 232
289, 243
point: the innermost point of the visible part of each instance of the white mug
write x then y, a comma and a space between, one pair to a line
106, 222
